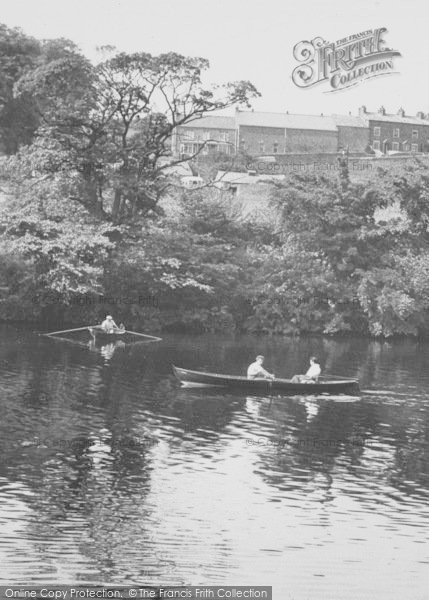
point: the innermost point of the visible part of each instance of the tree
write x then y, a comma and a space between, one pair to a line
195, 262
56, 250
82, 191
357, 270
111, 124
18, 121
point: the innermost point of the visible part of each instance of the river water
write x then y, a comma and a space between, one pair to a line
110, 473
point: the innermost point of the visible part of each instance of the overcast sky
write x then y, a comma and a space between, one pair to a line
250, 39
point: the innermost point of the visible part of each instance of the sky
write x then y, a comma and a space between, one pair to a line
251, 39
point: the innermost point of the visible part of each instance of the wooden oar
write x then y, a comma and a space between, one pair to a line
153, 337
61, 339
333, 376
71, 330
88, 327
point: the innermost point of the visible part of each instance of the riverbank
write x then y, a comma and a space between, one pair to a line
339, 258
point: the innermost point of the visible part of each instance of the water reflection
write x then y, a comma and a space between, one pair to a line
110, 472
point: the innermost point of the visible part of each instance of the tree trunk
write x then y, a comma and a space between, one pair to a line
117, 206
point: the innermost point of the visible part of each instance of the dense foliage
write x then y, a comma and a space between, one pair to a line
85, 229
346, 263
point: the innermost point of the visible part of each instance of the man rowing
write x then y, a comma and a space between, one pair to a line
257, 371
109, 325
312, 374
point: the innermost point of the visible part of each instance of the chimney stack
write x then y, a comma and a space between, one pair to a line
381, 110
420, 115
401, 112
362, 110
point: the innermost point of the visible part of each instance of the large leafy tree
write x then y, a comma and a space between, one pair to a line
347, 262
330, 225
196, 262
394, 291
19, 53
108, 126
100, 160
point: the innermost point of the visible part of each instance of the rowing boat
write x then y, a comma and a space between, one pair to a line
106, 336
264, 386
98, 334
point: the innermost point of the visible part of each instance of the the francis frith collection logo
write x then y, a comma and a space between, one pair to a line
343, 63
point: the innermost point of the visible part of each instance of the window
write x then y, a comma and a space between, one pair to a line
414, 147
396, 132
242, 145
415, 134
261, 147
376, 131
189, 135
376, 145
187, 149
395, 146
275, 147
207, 135
223, 136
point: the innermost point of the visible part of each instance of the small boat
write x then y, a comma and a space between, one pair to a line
264, 386
104, 336
99, 335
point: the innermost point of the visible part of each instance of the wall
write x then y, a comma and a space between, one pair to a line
306, 140
356, 139
253, 136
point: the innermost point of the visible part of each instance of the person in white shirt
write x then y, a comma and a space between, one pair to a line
256, 370
312, 374
109, 325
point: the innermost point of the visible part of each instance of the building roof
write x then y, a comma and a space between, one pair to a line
286, 121
212, 122
293, 121
349, 121
375, 116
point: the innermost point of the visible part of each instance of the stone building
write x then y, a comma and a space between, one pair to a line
281, 134
208, 135
265, 133
396, 132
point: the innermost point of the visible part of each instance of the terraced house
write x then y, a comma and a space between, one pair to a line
397, 132
265, 133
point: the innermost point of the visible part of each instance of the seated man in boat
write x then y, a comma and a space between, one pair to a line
312, 374
109, 325
256, 370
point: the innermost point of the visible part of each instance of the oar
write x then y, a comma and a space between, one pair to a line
71, 330
153, 337
61, 339
333, 376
